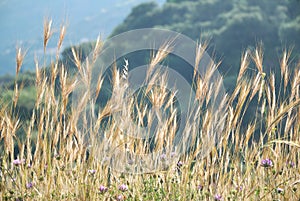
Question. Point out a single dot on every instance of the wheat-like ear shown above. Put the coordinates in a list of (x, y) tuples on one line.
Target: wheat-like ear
[(97, 49), (125, 70), (295, 84), (284, 66), (157, 57), (47, 32), (19, 59), (244, 65), (200, 50), (257, 57), (62, 34), (76, 58), (201, 89)]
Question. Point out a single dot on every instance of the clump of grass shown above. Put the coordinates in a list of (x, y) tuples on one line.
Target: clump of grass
[(55, 163)]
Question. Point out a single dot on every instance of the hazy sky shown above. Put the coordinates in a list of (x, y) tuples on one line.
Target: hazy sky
[(22, 24)]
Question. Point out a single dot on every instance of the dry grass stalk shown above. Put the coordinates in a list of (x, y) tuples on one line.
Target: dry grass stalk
[(157, 57), (244, 65), (200, 50), (62, 34), (19, 59), (97, 49), (284, 69), (47, 32), (76, 59), (257, 57)]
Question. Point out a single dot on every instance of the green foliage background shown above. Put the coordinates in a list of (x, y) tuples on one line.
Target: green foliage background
[(232, 26)]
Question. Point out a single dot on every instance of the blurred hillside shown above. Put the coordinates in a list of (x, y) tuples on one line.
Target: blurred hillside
[(230, 26)]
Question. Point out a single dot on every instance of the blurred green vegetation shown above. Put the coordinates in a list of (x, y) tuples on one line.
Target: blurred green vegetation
[(231, 26), (27, 95)]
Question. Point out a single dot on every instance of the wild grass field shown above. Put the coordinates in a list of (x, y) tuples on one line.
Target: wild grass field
[(259, 161)]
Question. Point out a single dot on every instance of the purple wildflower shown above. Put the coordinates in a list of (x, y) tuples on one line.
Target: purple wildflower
[(266, 163), (291, 164), (179, 164), (163, 157), (120, 197), (29, 185), (18, 162), (123, 187), (103, 189), (239, 188), (218, 197)]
